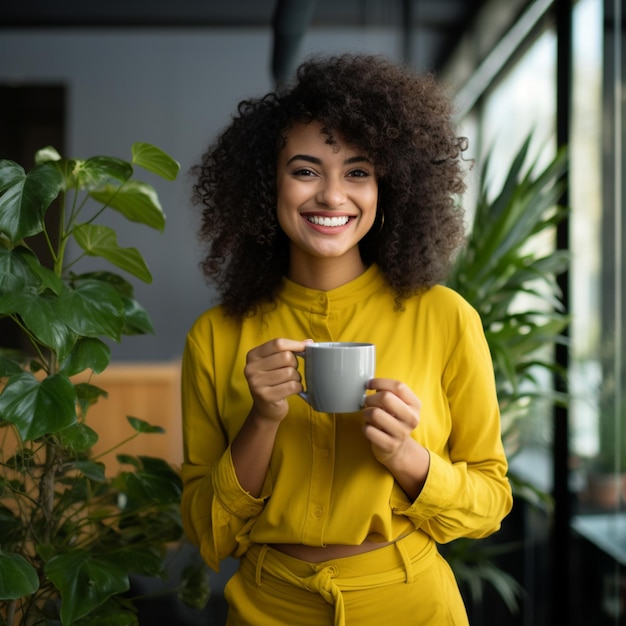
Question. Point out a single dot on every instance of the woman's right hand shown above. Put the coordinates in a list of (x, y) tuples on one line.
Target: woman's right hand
[(272, 374)]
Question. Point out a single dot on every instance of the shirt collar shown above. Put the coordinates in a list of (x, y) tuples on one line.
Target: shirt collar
[(296, 295)]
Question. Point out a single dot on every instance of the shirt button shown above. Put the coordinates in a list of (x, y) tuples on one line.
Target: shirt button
[(321, 299), (324, 453), (318, 512)]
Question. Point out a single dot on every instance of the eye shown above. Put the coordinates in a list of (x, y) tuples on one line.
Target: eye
[(303, 172), (359, 173)]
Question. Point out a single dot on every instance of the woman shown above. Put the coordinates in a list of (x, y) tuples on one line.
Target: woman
[(329, 213)]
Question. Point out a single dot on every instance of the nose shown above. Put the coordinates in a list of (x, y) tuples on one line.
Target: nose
[(331, 193)]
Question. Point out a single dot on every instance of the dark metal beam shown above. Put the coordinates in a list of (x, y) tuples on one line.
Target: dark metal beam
[(290, 21), (560, 599)]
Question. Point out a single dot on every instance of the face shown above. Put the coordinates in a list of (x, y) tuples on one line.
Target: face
[(327, 196)]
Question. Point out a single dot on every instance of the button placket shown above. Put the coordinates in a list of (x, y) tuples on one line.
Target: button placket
[(322, 442)]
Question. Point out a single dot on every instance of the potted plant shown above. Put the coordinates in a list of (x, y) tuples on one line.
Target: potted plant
[(510, 278), (70, 534)]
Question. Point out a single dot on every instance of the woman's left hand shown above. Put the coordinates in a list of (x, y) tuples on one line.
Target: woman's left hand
[(390, 415)]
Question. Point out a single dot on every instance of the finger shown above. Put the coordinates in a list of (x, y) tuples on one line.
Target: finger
[(274, 377), (271, 362), (274, 370), (388, 411), (389, 423), (269, 390), (378, 438), (387, 388), (395, 387), (277, 346), (392, 403), (277, 393)]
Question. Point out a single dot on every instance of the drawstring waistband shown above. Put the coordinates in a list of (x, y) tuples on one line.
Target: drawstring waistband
[(396, 563), (321, 582)]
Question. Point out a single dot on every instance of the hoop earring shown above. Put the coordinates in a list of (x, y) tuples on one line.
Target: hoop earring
[(382, 222)]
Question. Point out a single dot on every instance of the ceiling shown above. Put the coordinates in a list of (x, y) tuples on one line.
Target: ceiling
[(430, 28)]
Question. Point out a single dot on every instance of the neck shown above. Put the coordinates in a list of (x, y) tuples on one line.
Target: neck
[(325, 274)]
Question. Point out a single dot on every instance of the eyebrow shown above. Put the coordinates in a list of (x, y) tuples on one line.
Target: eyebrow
[(316, 161)]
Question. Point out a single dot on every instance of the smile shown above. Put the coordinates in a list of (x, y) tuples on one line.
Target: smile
[(328, 221)]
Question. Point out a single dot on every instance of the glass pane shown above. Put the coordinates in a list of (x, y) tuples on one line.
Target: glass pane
[(598, 379), (586, 225), (534, 73), (523, 101)]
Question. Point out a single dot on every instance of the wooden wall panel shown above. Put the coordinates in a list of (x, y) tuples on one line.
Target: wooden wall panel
[(149, 391)]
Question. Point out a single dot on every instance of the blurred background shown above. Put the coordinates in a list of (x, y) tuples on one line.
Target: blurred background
[(93, 78)]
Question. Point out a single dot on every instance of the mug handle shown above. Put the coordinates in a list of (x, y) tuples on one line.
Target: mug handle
[(303, 394)]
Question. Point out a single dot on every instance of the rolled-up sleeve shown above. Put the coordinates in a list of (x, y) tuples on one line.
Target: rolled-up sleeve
[(467, 492), (216, 510)]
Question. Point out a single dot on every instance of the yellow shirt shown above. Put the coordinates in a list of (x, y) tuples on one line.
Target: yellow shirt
[(324, 485)]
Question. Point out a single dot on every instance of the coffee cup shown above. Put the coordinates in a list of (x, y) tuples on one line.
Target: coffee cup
[(336, 375)]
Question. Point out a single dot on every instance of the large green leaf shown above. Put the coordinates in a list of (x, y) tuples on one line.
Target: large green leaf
[(18, 578), (10, 174), (87, 353), (142, 561), (135, 200), (25, 198), (88, 395), (78, 437), (19, 268), (136, 318), (47, 278), (195, 587), (14, 273), (92, 309), (122, 286), (155, 482), (155, 160), (9, 364), (102, 241), (85, 582), (141, 426), (37, 408), (40, 317), (142, 487), (100, 170), (91, 469)]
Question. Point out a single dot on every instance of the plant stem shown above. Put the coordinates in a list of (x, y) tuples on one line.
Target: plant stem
[(11, 612), (53, 252), (115, 447), (31, 338), (46, 490)]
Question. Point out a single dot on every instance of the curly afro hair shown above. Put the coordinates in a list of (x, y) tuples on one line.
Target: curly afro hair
[(400, 119)]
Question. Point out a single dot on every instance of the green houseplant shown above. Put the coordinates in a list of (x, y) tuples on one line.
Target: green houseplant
[(509, 274), (70, 535)]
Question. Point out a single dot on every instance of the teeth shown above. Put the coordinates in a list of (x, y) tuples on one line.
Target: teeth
[(329, 221)]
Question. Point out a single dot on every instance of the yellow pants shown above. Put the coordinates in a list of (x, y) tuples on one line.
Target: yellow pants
[(394, 585)]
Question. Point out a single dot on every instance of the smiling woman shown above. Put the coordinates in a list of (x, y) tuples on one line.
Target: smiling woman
[(335, 224), (407, 133), (327, 202)]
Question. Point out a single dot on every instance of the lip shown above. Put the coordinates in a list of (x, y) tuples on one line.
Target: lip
[(327, 230)]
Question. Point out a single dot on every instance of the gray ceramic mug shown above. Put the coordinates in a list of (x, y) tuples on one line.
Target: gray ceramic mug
[(336, 375)]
